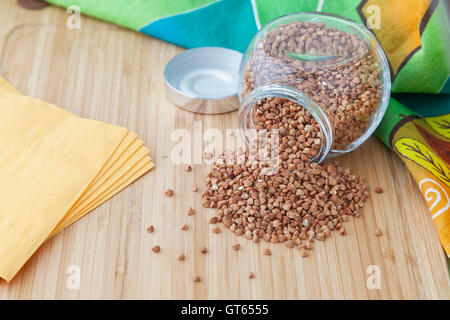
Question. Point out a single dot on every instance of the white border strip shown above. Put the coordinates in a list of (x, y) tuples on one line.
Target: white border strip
[(255, 14), (320, 5)]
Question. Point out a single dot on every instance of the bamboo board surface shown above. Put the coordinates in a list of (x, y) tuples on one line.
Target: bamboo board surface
[(114, 75)]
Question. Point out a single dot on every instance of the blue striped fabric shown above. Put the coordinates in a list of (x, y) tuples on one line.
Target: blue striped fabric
[(206, 26)]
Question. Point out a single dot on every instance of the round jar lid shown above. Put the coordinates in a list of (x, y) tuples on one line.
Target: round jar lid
[(204, 80)]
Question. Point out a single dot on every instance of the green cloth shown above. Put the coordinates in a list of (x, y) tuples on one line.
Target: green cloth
[(413, 33)]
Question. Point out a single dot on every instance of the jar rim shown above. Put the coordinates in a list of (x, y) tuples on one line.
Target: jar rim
[(248, 105)]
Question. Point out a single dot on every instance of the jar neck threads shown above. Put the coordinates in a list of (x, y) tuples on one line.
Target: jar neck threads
[(249, 103)]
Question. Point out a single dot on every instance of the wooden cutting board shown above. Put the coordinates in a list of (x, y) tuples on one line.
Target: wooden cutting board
[(114, 75)]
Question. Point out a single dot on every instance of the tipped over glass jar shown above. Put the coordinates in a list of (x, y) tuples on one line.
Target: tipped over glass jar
[(323, 81)]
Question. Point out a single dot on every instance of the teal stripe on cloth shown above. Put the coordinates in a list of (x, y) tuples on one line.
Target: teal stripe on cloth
[(226, 23), (426, 105), (446, 87)]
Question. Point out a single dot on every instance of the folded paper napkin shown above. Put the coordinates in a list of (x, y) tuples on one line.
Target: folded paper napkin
[(55, 167)]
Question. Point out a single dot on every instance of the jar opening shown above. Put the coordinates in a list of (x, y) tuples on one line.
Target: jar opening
[(248, 107)]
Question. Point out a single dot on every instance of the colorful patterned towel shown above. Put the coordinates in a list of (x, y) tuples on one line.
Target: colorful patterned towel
[(414, 34)]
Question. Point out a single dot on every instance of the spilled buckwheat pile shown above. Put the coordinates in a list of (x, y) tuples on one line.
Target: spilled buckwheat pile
[(303, 201)]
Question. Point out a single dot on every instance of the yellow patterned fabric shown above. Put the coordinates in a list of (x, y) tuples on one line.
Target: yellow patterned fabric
[(424, 145)]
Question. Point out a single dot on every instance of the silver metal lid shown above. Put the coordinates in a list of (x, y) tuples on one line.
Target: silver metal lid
[(204, 80)]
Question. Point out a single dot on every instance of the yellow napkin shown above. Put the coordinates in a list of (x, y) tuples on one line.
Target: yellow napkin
[(55, 167)]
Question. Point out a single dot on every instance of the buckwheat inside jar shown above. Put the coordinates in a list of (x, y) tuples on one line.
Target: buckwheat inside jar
[(332, 67)]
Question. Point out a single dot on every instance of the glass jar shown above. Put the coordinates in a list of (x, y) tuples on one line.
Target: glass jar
[(329, 65)]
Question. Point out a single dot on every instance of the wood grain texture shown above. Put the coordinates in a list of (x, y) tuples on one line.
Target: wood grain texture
[(114, 75)]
